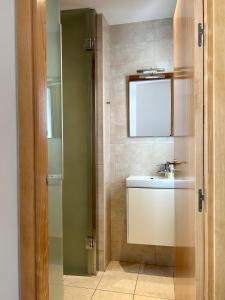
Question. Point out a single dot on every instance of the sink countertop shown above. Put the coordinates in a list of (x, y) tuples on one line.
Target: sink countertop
[(157, 182)]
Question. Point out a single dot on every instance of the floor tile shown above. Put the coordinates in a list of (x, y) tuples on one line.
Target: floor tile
[(74, 293), (118, 282), (83, 281), (120, 277), (138, 297), (105, 295), (155, 286), (116, 266)]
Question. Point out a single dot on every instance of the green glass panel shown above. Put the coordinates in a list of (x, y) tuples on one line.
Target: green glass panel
[(78, 27), (55, 153)]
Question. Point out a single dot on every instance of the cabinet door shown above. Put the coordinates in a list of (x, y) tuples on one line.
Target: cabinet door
[(151, 216)]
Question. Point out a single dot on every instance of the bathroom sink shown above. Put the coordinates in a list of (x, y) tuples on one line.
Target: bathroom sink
[(154, 182)]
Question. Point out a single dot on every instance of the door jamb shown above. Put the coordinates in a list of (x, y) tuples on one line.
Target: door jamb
[(31, 93), (214, 148), (208, 149)]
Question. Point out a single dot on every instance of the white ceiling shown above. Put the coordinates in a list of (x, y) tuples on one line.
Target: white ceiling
[(126, 11)]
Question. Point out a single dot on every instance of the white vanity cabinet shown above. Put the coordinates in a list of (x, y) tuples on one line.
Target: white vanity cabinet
[(151, 216)]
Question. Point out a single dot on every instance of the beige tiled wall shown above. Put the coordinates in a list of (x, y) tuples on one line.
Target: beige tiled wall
[(121, 50), (103, 145), (135, 46), (107, 128)]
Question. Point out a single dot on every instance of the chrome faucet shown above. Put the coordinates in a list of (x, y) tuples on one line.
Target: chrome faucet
[(168, 169), (167, 166)]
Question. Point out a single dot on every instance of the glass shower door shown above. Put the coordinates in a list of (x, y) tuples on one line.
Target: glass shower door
[(78, 62), (55, 150)]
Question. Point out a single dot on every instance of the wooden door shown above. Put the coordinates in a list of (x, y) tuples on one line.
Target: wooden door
[(188, 129), (215, 148)]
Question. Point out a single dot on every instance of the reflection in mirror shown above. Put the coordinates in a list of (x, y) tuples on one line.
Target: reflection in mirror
[(54, 110), (49, 114), (150, 108)]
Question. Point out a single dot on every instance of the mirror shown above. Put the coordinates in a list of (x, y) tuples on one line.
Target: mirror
[(54, 110), (150, 106)]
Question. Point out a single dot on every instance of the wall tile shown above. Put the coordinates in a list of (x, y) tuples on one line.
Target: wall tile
[(133, 253), (100, 211), (103, 150), (134, 46), (100, 257), (100, 153), (165, 256)]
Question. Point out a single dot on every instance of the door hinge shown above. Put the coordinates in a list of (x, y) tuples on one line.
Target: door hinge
[(200, 35), (89, 44), (90, 242), (201, 198)]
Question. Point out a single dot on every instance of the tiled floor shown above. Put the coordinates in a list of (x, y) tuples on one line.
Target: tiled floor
[(122, 281)]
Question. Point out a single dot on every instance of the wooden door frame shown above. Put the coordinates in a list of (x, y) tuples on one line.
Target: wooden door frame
[(31, 84), (31, 93), (214, 148), (208, 151)]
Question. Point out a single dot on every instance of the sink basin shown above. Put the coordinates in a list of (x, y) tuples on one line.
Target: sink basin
[(153, 182)]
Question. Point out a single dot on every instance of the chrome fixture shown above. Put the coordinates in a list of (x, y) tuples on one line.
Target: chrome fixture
[(89, 44), (200, 34), (151, 71), (168, 169), (151, 76)]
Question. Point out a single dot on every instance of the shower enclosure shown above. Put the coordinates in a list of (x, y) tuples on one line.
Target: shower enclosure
[(55, 150), (78, 65), (71, 144)]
